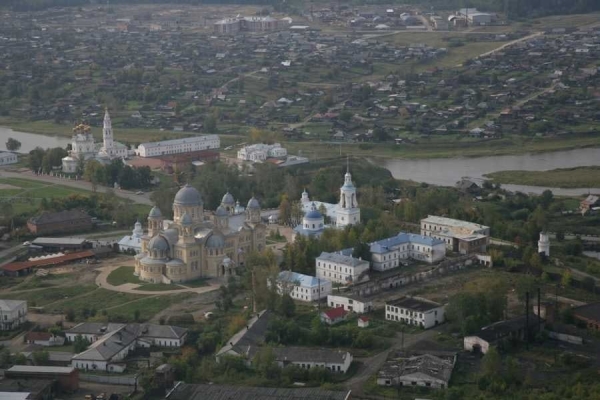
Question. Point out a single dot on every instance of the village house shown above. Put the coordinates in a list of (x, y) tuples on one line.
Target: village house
[(415, 311), (14, 314), (251, 336), (334, 315), (45, 339), (589, 315)]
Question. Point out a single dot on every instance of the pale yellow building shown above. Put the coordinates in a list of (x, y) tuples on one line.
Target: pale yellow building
[(196, 246)]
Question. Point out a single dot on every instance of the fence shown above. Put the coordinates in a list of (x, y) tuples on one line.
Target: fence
[(109, 379)]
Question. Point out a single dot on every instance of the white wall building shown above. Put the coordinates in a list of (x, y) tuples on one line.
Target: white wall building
[(342, 269), (460, 236), (133, 241), (544, 244), (307, 358), (415, 311), (111, 343), (302, 287), (7, 158), (398, 250), (260, 152), (350, 303), (177, 146), (13, 313)]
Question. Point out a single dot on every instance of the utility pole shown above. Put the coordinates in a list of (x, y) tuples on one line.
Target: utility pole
[(253, 294), (527, 320)]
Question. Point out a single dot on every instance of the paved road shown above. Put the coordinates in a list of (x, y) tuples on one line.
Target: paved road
[(140, 199), (101, 281), (373, 364)]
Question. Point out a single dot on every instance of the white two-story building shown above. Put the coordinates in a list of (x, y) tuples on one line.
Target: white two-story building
[(302, 287), (342, 269), (13, 313), (415, 311), (395, 251)]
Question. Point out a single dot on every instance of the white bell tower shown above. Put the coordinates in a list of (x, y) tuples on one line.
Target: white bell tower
[(348, 212), (544, 244), (107, 135)]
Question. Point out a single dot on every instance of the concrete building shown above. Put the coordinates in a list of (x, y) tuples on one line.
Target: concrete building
[(400, 249), (307, 358), (544, 244), (350, 303), (231, 26), (260, 152), (415, 311), (177, 146), (7, 158), (339, 268), (460, 236), (476, 17), (60, 222), (302, 287), (512, 329), (191, 247), (425, 370), (13, 313)]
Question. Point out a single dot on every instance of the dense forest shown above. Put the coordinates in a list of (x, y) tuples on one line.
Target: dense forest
[(513, 8)]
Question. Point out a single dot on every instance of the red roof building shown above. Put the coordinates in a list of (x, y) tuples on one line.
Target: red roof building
[(25, 267), (334, 315)]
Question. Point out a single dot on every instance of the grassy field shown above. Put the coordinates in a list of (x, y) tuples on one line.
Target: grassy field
[(121, 276), (46, 296), (148, 306), (581, 177)]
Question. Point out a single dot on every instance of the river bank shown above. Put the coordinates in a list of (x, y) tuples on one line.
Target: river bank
[(437, 146), (564, 178)]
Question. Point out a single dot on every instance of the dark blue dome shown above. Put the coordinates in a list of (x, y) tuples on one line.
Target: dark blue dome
[(314, 214)]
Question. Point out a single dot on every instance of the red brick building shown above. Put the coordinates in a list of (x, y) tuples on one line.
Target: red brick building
[(60, 222)]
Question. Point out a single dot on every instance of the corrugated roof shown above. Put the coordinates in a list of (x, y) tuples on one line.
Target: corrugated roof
[(226, 392), (18, 266), (413, 303), (300, 279), (61, 216), (40, 369), (342, 259), (58, 241), (9, 305), (385, 245)]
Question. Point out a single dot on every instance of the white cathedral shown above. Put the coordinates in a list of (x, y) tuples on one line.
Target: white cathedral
[(83, 146), (342, 214)]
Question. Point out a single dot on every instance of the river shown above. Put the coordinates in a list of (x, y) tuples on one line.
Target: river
[(447, 171), (29, 141), (435, 171)]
